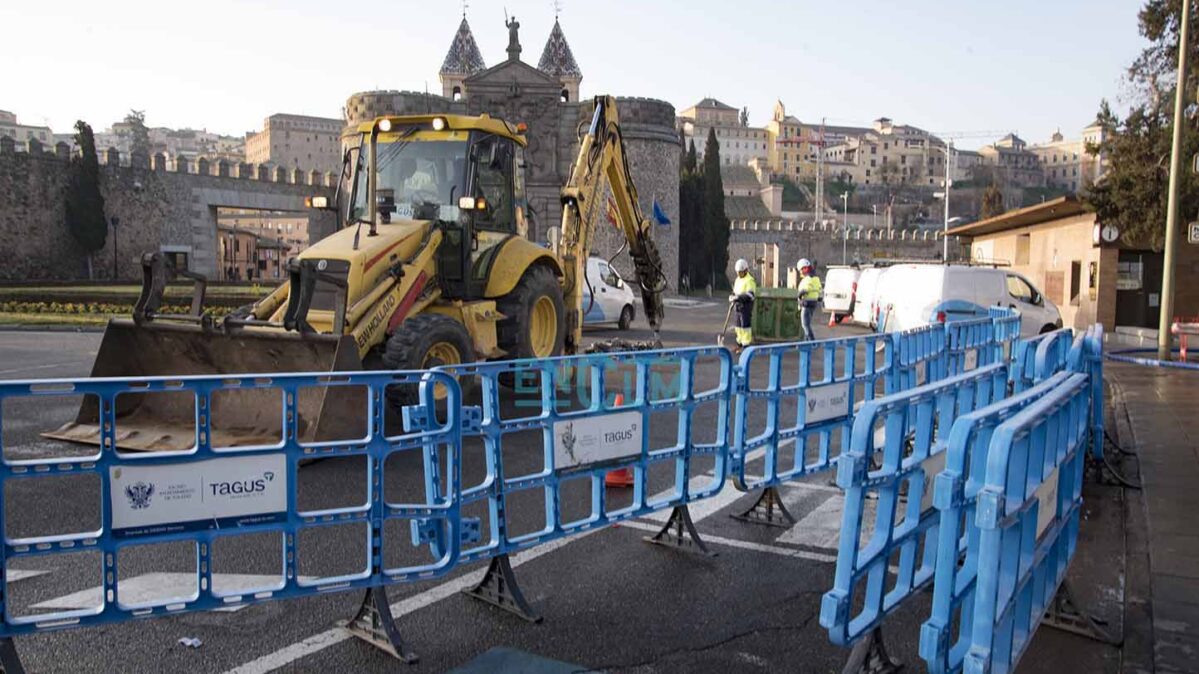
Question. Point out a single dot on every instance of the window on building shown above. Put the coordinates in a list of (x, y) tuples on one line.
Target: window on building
[(872, 162), (1075, 281), (1022, 248)]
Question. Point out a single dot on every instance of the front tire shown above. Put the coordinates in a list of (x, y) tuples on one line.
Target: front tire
[(626, 317), (534, 323), (422, 342)]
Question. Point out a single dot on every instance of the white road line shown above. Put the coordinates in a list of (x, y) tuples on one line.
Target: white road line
[(40, 367), (820, 528), (162, 586), (745, 545), (15, 575)]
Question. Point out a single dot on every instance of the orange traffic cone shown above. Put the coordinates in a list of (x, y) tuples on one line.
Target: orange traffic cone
[(621, 477), (832, 320)]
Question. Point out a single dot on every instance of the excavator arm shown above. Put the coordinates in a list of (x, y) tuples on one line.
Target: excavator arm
[(602, 155)]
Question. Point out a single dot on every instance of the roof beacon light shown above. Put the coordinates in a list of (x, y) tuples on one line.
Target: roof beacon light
[(439, 123), (385, 125)]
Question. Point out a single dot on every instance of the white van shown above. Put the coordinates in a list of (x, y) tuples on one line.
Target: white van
[(866, 297), (614, 300), (840, 289), (911, 295)]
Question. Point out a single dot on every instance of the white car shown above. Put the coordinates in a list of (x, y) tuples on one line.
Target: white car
[(911, 295), (840, 290), (866, 297), (613, 298)]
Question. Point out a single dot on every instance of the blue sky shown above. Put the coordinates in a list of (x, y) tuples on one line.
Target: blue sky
[(965, 66)]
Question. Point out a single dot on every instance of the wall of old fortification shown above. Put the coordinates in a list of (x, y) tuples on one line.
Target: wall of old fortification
[(161, 203)]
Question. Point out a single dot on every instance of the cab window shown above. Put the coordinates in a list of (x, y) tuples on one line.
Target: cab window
[(492, 159), (1020, 289)]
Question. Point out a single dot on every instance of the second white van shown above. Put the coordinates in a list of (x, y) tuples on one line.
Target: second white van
[(911, 295)]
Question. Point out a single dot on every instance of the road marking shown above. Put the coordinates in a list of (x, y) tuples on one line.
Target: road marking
[(163, 587), (15, 575), (820, 528), (745, 545), (41, 367), (318, 642)]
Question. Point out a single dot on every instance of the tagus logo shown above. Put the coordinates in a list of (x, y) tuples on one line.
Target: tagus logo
[(620, 436), (253, 485)]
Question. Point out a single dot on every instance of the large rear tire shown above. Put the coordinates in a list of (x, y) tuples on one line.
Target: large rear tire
[(535, 316), (422, 342)]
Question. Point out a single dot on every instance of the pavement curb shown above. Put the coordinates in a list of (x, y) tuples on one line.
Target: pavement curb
[(51, 328)]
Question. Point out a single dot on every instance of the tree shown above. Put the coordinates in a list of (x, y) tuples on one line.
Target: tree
[(139, 141), (1132, 194), (715, 224), (693, 262), (992, 203), (84, 205)]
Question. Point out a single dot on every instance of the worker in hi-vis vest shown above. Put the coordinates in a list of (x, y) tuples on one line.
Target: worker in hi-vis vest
[(742, 299), (810, 290)]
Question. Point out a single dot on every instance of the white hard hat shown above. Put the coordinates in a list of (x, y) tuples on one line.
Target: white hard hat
[(741, 265), (803, 262)]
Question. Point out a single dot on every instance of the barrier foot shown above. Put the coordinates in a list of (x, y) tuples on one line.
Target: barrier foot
[(498, 588), (672, 533), (869, 656), (1064, 614), (768, 510), (375, 625), (10, 662)]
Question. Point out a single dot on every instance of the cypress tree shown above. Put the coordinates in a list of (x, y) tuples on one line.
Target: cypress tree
[(715, 224), (84, 204)]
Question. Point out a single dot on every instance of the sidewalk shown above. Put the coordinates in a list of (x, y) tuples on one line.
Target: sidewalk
[(1162, 408)]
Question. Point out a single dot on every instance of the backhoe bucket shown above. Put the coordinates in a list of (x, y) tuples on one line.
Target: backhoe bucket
[(239, 417)]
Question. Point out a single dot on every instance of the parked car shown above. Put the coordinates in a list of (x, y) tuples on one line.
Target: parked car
[(911, 295), (866, 297), (840, 290), (614, 300)]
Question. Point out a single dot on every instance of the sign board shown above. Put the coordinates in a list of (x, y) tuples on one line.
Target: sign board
[(932, 467), (1193, 232), (822, 403), (1046, 502), (590, 440), (217, 493), (971, 359)]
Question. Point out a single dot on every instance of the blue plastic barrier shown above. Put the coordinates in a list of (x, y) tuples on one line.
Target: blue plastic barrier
[(969, 344), (1027, 515), (1025, 360), (955, 495), (919, 357), (148, 498), (1007, 332), (570, 402), (810, 393), (916, 425)]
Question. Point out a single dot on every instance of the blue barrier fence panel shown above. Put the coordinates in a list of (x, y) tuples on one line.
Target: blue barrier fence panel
[(968, 344), (945, 636), (1053, 352), (670, 429), (225, 482), (1007, 332), (803, 408), (883, 559), (1025, 360), (919, 357), (1028, 515)]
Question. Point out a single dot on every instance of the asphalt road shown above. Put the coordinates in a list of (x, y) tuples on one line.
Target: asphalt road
[(609, 601)]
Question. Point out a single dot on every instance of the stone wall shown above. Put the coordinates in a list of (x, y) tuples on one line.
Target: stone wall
[(161, 204), (822, 244)]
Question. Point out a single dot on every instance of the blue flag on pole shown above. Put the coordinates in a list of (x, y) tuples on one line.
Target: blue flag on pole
[(660, 215)]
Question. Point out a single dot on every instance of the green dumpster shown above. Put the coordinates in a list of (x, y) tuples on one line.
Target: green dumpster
[(776, 315)]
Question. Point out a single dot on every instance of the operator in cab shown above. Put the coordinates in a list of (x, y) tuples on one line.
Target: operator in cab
[(745, 288), (810, 290)]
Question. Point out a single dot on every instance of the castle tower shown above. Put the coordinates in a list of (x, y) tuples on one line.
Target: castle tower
[(557, 61), (462, 61)]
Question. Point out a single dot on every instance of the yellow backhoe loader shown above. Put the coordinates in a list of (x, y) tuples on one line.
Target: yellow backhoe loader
[(430, 265)]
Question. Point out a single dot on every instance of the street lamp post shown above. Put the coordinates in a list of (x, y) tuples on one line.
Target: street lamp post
[(948, 150), (1167, 298), (873, 216), (844, 227)]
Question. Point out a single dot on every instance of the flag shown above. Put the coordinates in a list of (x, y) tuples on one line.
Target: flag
[(610, 211), (660, 215)]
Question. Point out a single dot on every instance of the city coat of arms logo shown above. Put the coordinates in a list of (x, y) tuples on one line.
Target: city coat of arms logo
[(139, 494), (568, 439)]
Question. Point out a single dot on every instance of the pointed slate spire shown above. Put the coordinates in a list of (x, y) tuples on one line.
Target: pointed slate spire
[(557, 59), (464, 57)]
